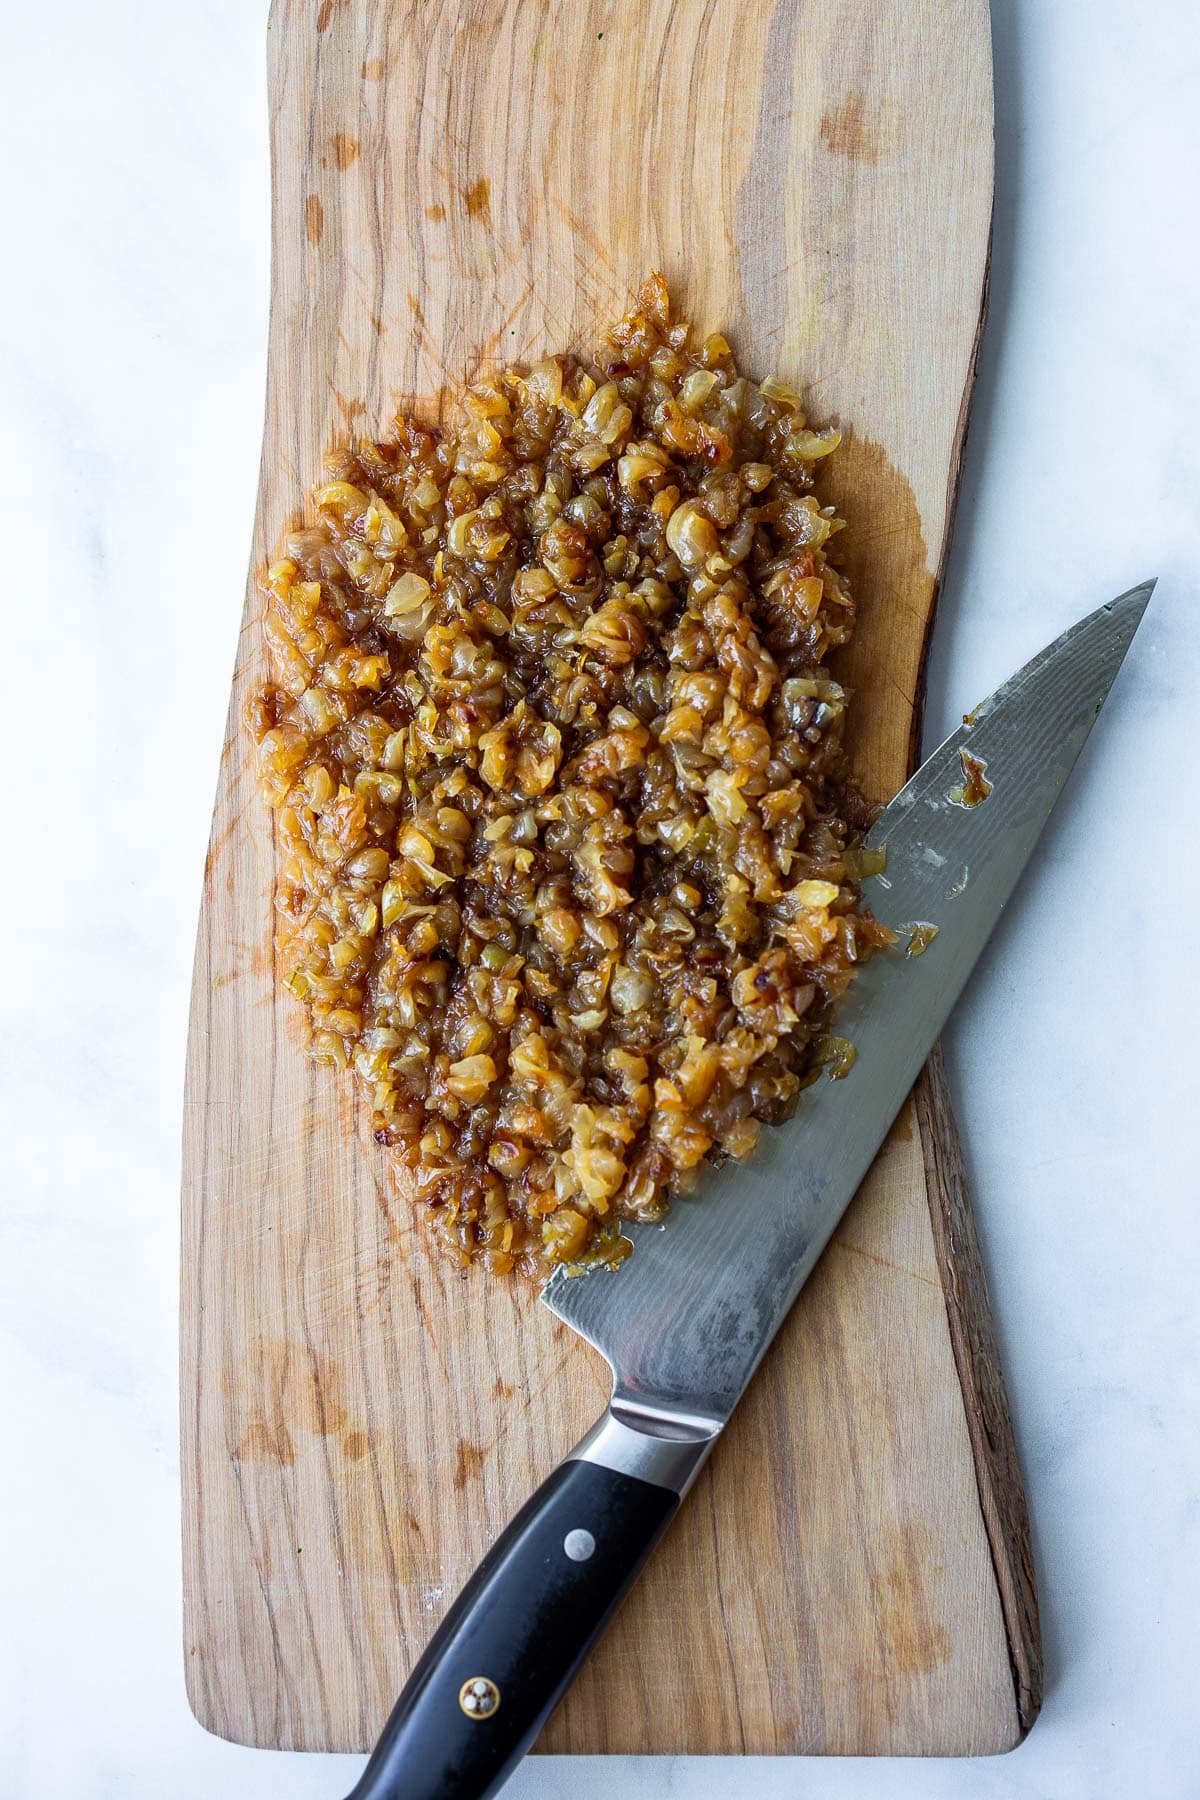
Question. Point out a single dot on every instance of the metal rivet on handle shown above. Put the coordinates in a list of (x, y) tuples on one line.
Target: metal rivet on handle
[(479, 1697), (579, 1544)]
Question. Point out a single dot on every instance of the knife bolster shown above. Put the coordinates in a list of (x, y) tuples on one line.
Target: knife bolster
[(665, 1449)]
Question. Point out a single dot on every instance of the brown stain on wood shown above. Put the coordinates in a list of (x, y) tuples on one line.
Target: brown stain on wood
[(297, 1029), (846, 132), (594, 243), (478, 199), (468, 1461), (882, 1262), (267, 1440), (310, 1388), (347, 1111), (425, 1313), (314, 219), (351, 410), (391, 1223), (257, 960), (345, 150), (325, 16), (355, 1446), (220, 840), (436, 213), (374, 70)]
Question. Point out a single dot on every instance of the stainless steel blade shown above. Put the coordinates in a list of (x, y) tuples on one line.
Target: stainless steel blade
[(686, 1319)]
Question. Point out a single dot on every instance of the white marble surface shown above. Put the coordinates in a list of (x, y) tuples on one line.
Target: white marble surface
[(132, 328)]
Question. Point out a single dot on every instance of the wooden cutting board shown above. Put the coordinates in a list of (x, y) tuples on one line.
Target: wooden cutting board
[(456, 182)]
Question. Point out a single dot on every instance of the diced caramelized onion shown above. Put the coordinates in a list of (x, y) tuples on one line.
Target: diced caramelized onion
[(975, 786), (810, 446), (836, 1055), (920, 935), (408, 595), (691, 534), (864, 861), (565, 878)]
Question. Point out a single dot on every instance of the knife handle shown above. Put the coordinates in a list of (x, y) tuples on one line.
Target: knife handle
[(511, 1644)]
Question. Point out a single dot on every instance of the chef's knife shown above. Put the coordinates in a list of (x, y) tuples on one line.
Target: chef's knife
[(685, 1320)]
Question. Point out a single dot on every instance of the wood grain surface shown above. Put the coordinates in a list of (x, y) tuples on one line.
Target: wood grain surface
[(457, 183)]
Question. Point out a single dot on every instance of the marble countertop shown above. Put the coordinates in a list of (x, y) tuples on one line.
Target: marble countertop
[(131, 359)]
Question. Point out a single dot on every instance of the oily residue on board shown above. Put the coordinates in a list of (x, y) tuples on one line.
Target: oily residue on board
[(345, 150), (883, 551), (267, 1440), (290, 1390), (845, 131), (314, 219)]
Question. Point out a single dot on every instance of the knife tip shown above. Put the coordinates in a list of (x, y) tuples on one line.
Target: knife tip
[(1137, 599)]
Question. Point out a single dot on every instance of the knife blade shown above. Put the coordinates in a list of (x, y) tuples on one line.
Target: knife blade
[(685, 1320)]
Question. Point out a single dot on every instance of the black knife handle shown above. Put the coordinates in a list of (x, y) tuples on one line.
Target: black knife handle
[(513, 1640)]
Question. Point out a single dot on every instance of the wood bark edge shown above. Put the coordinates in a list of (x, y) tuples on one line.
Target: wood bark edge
[(960, 1264), (977, 1359)]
